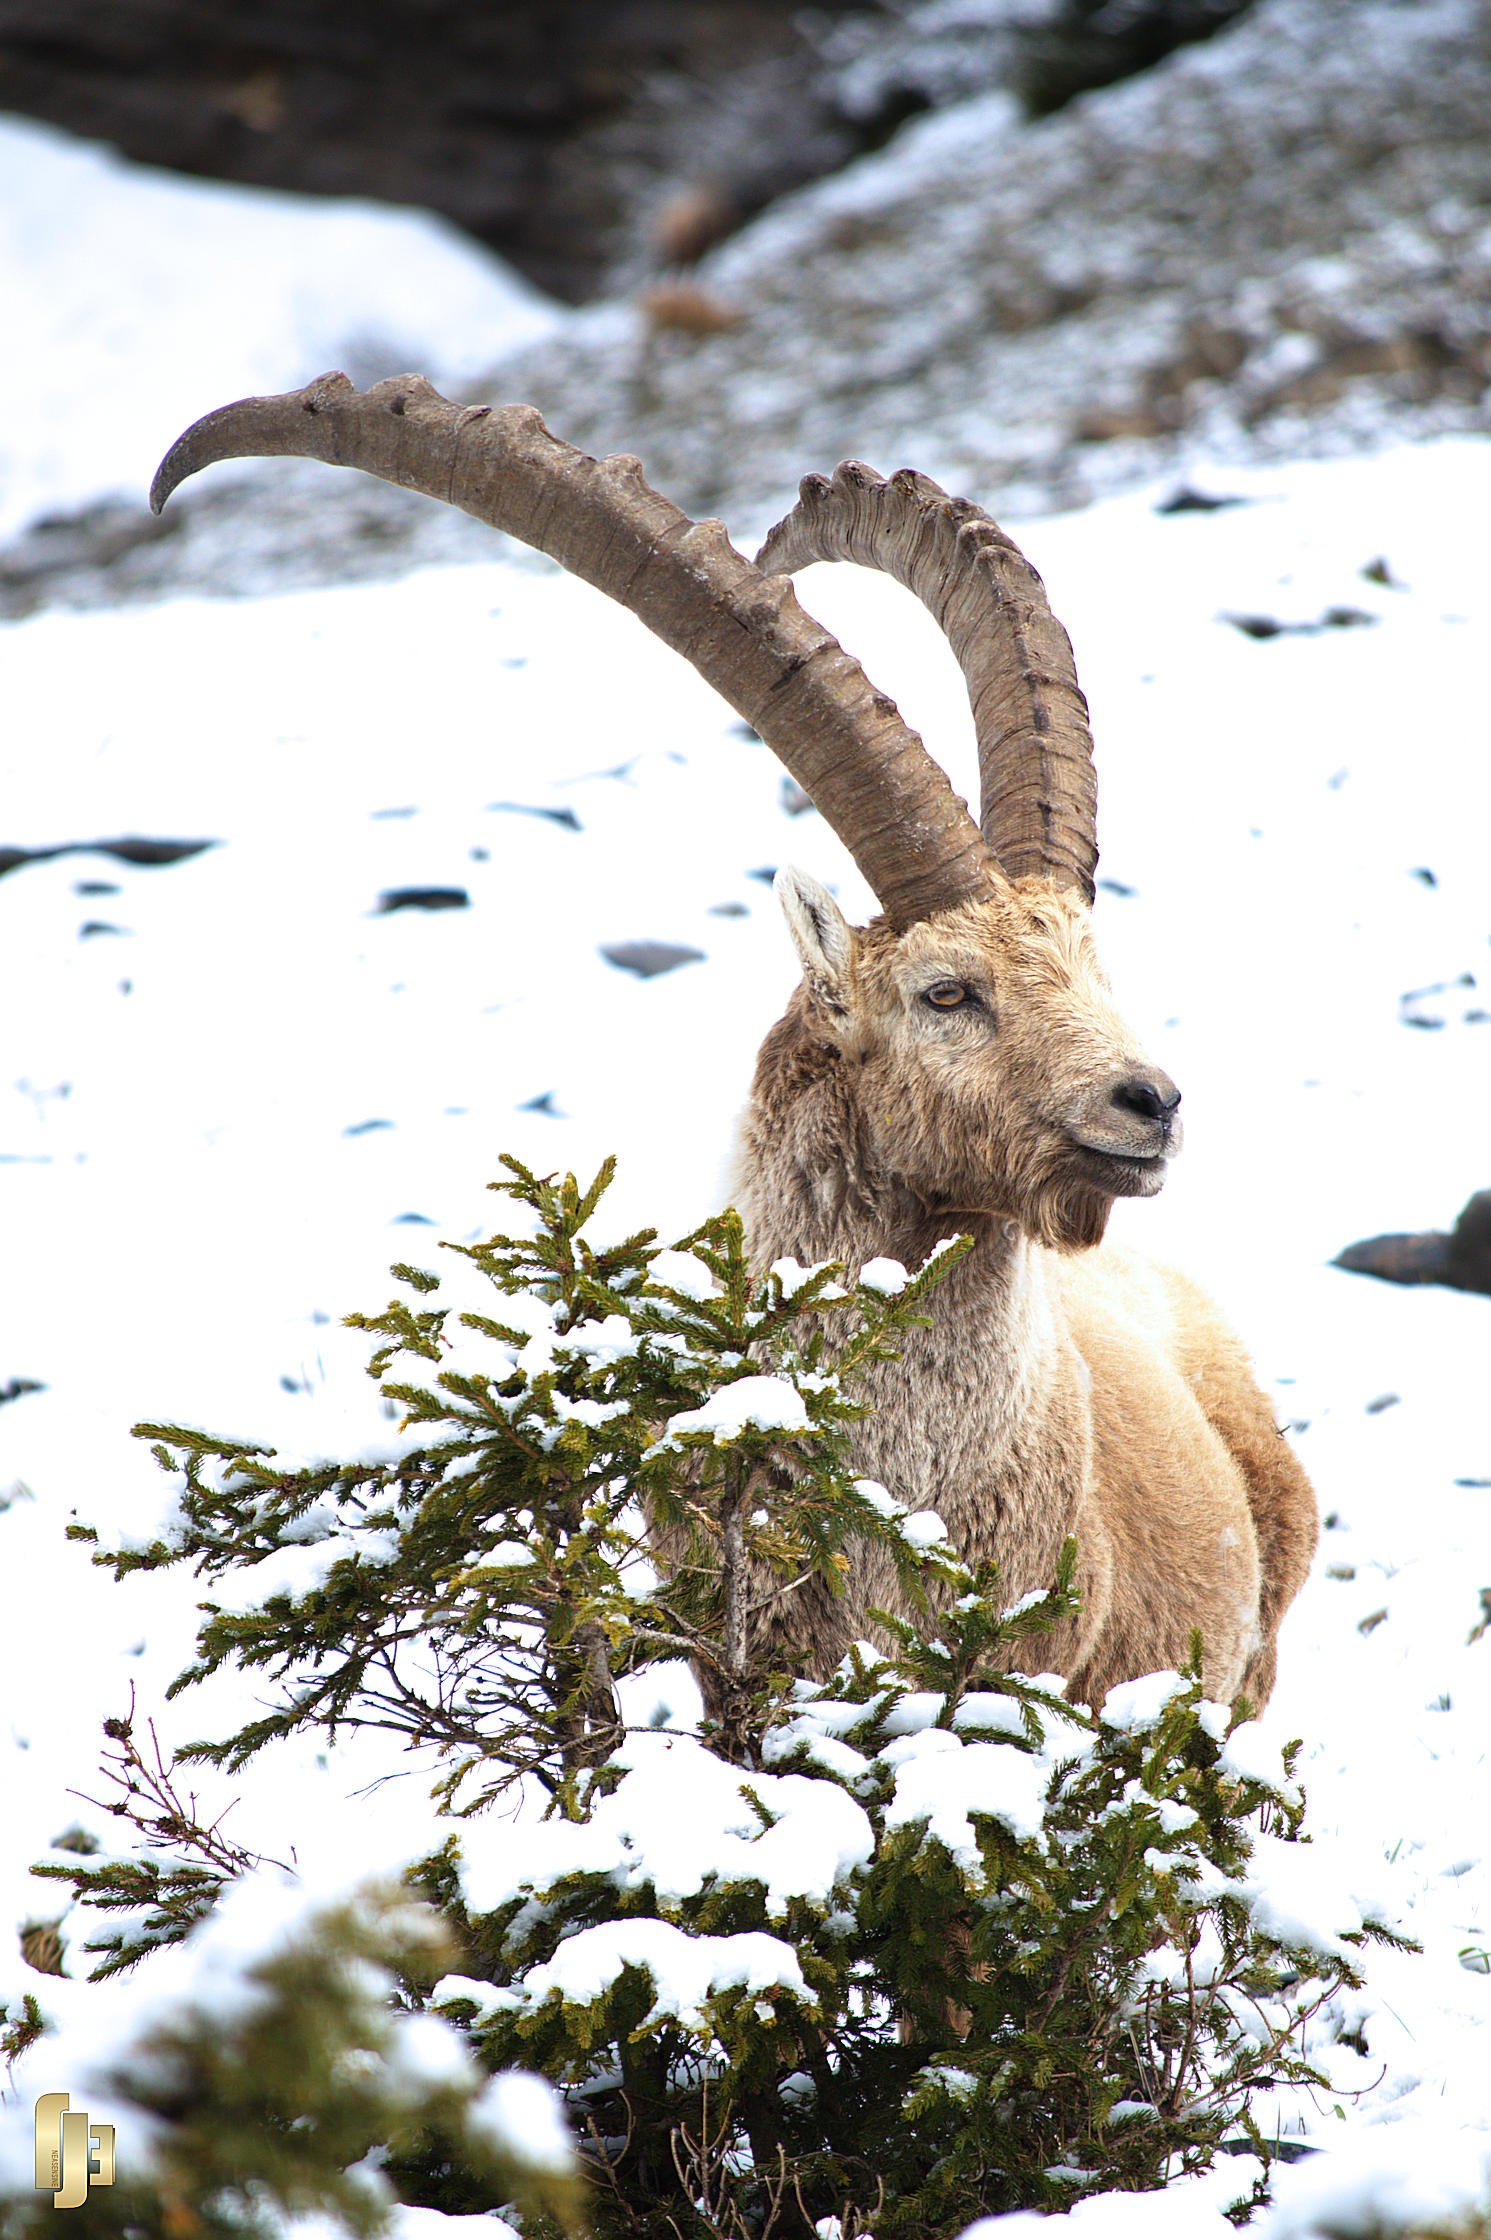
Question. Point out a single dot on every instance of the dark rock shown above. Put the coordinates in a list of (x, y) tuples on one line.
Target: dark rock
[(563, 133), (1397, 1258), (648, 958), (127, 851), (565, 817), (423, 898), (1410, 1004), (1187, 500), (1090, 269), (1268, 626), (1461, 1260), (1256, 625), (16, 1388), (582, 139), (1084, 44)]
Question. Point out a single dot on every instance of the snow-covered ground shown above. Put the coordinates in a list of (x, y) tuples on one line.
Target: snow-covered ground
[(128, 293), (234, 1089)]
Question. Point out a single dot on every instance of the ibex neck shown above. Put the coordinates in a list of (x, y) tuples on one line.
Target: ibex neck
[(983, 1415)]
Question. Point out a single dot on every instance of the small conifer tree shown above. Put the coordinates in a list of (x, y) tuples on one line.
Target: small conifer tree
[(910, 1945)]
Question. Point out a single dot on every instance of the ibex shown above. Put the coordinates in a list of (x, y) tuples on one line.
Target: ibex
[(955, 1066)]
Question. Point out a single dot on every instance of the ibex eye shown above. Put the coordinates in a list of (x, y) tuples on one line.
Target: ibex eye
[(947, 995)]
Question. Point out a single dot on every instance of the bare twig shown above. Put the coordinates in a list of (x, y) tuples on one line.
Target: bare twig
[(152, 1803)]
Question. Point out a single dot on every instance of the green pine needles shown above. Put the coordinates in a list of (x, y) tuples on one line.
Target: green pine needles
[(909, 1945), (481, 1593)]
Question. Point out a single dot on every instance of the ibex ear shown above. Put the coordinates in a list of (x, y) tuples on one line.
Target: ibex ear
[(824, 937)]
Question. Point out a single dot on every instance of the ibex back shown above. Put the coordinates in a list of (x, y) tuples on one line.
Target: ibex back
[(957, 1065)]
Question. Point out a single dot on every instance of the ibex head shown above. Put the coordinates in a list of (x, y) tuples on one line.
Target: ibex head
[(996, 1075), (991, 1073)]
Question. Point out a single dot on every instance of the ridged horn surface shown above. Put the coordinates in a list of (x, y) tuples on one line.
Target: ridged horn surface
[(1039, 795), (843, 742)]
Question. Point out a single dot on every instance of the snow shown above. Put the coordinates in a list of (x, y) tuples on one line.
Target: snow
[(923, 1528), (224, 1114), (439, 2224), (1374, 2187), (524, 2119), (1188, 2209), (884, 1275), (687, 1969), (1139, 1704), (1305, 1894), (681, 1272), (637, 1835), (132, 296), (750, 1403), (1252, 1753), (941, 1781), (1370, 2187), (487, 1998), (123, 2028)]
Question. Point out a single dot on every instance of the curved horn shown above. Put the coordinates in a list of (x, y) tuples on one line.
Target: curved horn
[(745, 633), (1039, 805)]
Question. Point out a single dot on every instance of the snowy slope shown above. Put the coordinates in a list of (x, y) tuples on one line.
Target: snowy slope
[(129, 293), (235, 1089)]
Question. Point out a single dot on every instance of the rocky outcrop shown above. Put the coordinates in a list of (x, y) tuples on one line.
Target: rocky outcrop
[(1459, 1258), (1276, 241), (551, 130), (585, 140), (1282, 237)]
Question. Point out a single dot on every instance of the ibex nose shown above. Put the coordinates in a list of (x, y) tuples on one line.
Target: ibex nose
[(1152, 1095)]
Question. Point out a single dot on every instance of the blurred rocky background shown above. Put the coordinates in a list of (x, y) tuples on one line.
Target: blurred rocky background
[(575, 137), (1039, 248)]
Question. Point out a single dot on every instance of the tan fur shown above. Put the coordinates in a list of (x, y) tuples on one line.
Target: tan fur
[(1063, 1385)]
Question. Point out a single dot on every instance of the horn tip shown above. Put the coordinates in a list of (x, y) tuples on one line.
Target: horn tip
[(202, 444)]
